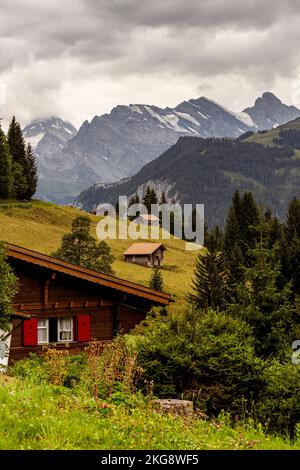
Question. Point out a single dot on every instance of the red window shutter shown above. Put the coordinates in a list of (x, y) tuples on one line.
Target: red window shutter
[(30, 335), (83, 328)]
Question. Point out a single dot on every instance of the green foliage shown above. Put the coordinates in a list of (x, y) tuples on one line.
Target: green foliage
[(210, 286), (163, 198), (8, 289), (279, 406), (20, 181), (31, 173), (291, 246), (42, 416), (18, 151), (213, 240), (134, 200), (241, 235), (205, 356), (264, 305), (79, 247), (18, 168), (156, 281), (6, 175), (209, 171), (150, 197)]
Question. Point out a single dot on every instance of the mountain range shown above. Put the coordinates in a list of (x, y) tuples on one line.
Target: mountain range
[(117, 145), (207, 171)]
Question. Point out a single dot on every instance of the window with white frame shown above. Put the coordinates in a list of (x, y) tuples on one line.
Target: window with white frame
[(65, 329), (43, 331)]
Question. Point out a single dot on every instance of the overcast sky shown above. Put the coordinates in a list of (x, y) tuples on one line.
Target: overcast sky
[(78, 58)]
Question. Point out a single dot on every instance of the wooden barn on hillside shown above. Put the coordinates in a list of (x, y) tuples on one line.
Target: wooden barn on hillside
[(70, 305), (147, 254)]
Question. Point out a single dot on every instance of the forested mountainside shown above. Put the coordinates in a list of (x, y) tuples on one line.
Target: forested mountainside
[(207, 171), (118, 144)]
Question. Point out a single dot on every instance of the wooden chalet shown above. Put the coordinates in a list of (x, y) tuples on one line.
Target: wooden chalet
[(147, 254), (71, 305)]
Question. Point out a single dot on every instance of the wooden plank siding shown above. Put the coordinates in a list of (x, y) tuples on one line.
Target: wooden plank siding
[(46, 292)]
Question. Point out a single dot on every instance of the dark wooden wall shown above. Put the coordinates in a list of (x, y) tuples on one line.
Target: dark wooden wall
[(71, 297)]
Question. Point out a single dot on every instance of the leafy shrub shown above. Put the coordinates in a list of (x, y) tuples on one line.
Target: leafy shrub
[(205, 356), (32, 369), (279, 407)]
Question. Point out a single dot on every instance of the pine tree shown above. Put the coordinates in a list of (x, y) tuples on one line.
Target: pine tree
[(267, 307), (290, 246), (213, 240), (156, 280), (18, 151), (210, 284), (233, 254), (6, 175), (241, 234), (275, 232), (153, 197), (8, 289), (79, 247), (147, 199), (163, 198), (250, 219), (31, 173), (134, 200), (231, 235), (150, 197), (292, 225)]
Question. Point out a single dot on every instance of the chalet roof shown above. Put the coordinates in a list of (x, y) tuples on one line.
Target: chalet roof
[(56, 265), (143, 248), (21, 315)]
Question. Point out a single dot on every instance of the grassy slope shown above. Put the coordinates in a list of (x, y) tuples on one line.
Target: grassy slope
[(267, 137), (52, 417), (41, 225)]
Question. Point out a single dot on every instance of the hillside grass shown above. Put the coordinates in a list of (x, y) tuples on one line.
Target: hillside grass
[(267, 138), (40, 226), (52, 417)]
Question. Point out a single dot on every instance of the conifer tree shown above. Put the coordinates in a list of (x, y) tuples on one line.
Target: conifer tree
[(231, 235), (31, 173), (147, 199), (6, 174), (241, 234), (213, 240), (163, 198), (153, 197), (290, 246), (134, 200), (210, 283), (156, 280), (150, 197), (267, 307), (80, 248), (250, 219), (232, 247), (18, 151), (292, 225)]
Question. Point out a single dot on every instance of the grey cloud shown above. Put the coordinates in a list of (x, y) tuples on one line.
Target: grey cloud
[(204, 39)]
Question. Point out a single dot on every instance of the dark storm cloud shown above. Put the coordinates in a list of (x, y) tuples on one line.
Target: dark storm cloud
[(49, 44), (108, 30)]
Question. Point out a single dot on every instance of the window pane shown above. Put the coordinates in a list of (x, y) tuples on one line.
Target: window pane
[(42, 330), (65, 329), (42, 335)]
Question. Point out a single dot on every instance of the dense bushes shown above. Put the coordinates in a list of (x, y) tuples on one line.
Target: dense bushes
[(210, 358), (205, 356), (279, 407)]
